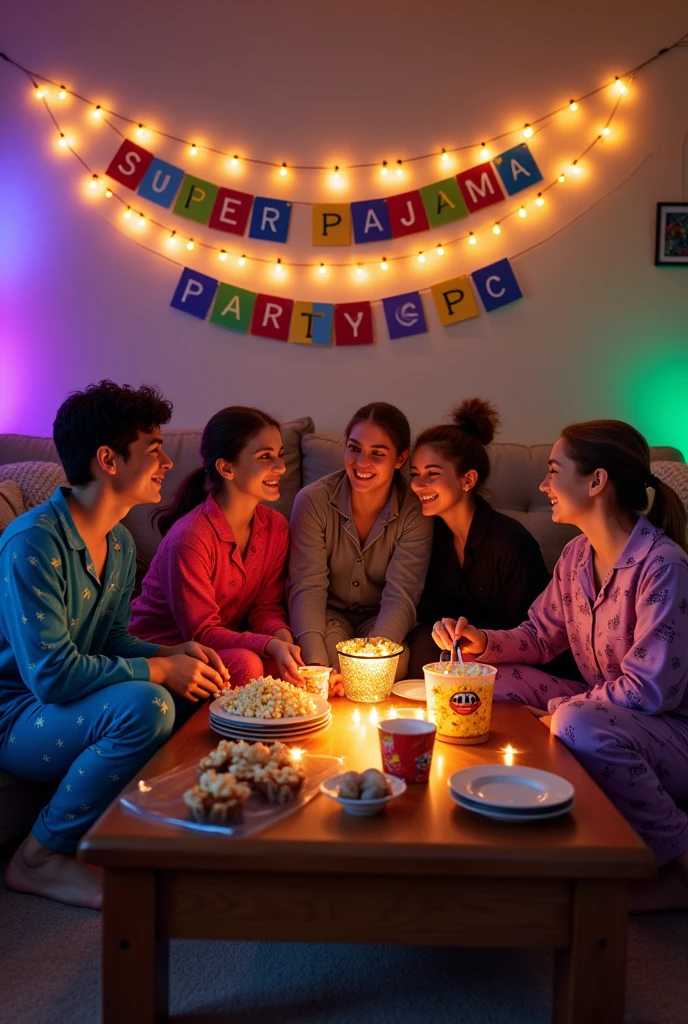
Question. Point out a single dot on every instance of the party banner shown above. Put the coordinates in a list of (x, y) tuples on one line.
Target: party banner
[(335, 223), (313, 323)]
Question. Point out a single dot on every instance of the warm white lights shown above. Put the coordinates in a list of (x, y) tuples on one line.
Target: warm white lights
[(279, 269), (619, 86), (234, 161), (97, 113), (127, 213), (190, 244), (539, 201), (40, 93), (522, 212), (440, 250), (141, 221), (222, 255), (575, 169), (384, 167), (241, 261), (322, 269), (606, 131), (359, 270), (484, 152), (193, 150), (108, 193), (471, 238), (172, 240), (421, 257), (62, 94), (283, 171), (93, 183), (62, 141), (140, 130), (496, 230), (527, 132), (562, 178), (445, 156), (573, 105), (384, 265), (400, 169)]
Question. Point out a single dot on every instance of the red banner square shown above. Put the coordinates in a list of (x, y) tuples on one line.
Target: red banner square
[(407, 214), (129, 164), (353, 323), (272, 317), (231, 211), (480, 187)]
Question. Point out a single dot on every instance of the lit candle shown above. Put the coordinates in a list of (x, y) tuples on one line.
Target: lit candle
[(392, 712), (356, 717), (420, 713), (509, 754), (374, 716), (296, 754)]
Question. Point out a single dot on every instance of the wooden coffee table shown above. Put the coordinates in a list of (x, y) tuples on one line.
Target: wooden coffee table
[(425, 872)]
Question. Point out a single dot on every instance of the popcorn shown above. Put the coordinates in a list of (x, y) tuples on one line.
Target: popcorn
[(370, 647), (266, 697), (457, 668)]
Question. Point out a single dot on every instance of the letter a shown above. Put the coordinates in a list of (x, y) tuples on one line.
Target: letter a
[(442, 201), (370, 221), (517, 168), (232, 306)]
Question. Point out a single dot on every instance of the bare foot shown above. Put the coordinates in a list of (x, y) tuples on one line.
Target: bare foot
[(668, 891), (35, 869)]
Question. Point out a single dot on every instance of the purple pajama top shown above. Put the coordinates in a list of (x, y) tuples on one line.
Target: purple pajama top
[(630, 640)]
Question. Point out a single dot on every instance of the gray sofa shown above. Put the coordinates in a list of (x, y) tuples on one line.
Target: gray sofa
[(513, 488)]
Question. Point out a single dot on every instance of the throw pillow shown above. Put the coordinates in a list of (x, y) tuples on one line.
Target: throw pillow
[(11, 503), (37, 480)]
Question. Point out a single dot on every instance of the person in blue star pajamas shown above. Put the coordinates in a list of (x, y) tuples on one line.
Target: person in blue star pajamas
[(82, 702)]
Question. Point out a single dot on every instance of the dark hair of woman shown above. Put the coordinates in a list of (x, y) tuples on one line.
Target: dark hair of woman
[(623, 452), (225, 436), (389, 418), (464, 441)]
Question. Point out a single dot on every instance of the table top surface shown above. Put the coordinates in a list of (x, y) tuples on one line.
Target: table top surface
[(422, 832)]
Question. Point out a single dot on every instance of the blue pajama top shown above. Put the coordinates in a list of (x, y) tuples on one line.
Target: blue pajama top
[(63, 632)]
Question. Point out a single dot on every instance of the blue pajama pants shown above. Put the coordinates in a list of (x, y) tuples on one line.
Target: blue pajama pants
[(93, 746), (640, 761)]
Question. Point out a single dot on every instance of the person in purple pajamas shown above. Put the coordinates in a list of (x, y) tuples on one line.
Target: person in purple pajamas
[(619, 600)]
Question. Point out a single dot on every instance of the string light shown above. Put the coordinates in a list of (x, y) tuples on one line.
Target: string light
[(108, 193), (279, 268), (62, 94), (139, 130), (283, 171), (620, 87), (496, 230), (421, 257), (222, 256), (93, 183), (40, 93), (190, 244), (384, 265), (575, 169), (62, 141), (400, 169), (539, 201), (471, 238), (172, 240), (440, 250), (242, 260), (562, 178), (523, 212), (484, 152), (336, 174), (445, 156), (193, 149), (127, 213), (322, 269), (527, 132), (606, 131), (141, 221), (97, 113), (384, 167), (573, 105)]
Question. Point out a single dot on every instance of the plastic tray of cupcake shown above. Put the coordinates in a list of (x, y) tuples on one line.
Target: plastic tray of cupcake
[(269, 709), (237, 789)]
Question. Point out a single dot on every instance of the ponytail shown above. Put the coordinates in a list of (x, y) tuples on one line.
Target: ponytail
[(668, 512), (190, 493)]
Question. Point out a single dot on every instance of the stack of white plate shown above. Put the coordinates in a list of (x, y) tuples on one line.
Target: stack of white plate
[(511, 793), (254, 729)]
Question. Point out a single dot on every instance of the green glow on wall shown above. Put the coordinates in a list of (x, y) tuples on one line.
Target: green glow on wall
[(654, 392)]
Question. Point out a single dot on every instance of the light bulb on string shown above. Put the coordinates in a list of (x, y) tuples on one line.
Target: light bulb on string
[(93, 183), (322, 269), (279, 269), (283, 171), (523, 212), (484, 152), (619, 86), (575, 169), (108, 193), (172, 240), (421, 257), (384, 167), (140, 130), (606, 131), (62, 141), (127, 213), (445, 156), (40, 93), (190, 244), (97, 113), (471, 238), (193, 149), (242, 260), (384, 265), (359, 270), (335, 174), (222, 255), (539, 201), (141, 221), (440, 250), (527, 131), (400, 169), (496, 230), (62, 94), (234, 162), (573, 106), (562, 178)]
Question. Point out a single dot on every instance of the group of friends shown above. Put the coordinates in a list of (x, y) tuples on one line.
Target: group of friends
[(93, 680)]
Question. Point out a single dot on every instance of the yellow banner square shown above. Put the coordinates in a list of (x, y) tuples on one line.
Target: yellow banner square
[(455, 300), (301, 320), (331, 224)]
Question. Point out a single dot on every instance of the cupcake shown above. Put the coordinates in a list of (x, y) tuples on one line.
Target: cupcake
[(279, 785), (218, 799)]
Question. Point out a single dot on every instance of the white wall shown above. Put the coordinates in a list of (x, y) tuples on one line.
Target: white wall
[(600, 330)]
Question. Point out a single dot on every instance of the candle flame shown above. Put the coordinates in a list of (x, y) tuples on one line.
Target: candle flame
[(392, 712), (296, 754), (356, 717), (509, 754), (374, 719)]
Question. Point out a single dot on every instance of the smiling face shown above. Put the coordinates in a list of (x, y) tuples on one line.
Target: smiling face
[(257, 471), (435, 480), (137, 480), (572, 494), (370, 458)]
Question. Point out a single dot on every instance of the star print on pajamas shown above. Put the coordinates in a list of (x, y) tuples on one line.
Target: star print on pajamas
[(40, 722)]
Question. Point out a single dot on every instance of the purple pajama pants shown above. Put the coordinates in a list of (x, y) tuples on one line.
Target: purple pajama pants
[(640, 761)]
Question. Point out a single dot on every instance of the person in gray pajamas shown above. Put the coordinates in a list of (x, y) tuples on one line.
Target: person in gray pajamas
[(360, 545)]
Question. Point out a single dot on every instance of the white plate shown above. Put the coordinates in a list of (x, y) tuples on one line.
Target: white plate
[(500, 814), (276, 723), (361, 808), (322, 707), (412, 689), (235, 733), (503, 787)]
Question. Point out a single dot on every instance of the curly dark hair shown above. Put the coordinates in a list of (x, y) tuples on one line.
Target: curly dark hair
[(104, 414)]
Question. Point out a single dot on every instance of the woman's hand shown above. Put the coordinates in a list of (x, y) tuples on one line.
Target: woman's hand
[(186, 675), (287, 657), (473, 641), (199, 651), (336, 684)]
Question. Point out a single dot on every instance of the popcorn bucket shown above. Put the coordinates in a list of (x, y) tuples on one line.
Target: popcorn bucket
[(368, 666), (459, 700), (316, 679)]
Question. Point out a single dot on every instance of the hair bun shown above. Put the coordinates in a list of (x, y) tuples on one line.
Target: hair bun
[(477, 417)]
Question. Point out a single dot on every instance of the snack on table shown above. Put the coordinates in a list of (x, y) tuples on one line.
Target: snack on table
[(266, 697), (370, 647), (218, 799), (465, 668), (265, 768), (368, 785), (279, 785)]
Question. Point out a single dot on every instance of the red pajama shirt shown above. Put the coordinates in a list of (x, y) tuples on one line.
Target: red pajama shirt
[(200, 588)]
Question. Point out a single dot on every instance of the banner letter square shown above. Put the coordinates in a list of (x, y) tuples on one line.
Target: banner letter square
[(407, 214), (480, 187), (331, 224), (455, 300), (194, 293), (196, 199), (270, 219), (443, 202), (233, 308), (497, 285), (161, 183), (517, 169), (353, 323), (129, 164), (272, 317), (404, 315), (371, 221), (231, 211)]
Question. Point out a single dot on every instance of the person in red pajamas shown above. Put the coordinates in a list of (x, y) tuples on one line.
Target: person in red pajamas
[(219, 574)]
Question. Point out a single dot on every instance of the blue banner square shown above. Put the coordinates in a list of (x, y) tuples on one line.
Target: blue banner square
[(370, 219), (270, 219), (195, 292), (322, 323), (497, 285), (161, 183), (405, 315), (517, 169)]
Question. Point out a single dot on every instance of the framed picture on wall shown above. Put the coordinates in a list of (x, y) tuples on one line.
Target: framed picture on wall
[(672, 235)]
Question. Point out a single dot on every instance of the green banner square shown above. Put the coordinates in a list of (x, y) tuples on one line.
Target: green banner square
[(443, 202), (196, 199), (233, 308)]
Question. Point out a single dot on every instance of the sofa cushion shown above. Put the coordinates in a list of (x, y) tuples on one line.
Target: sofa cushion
[(11, 502), (37, 480), (320, 456), (675, 475)]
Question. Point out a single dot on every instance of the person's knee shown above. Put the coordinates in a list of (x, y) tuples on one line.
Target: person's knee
[(581, 724), (150, 710), (243, 665)]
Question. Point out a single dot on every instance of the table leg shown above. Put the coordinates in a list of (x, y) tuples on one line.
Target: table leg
[(135, 959), (590, 975)]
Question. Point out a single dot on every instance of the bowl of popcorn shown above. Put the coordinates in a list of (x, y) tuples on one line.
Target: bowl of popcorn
[(368, 666), (268, 698), (363, 793)]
